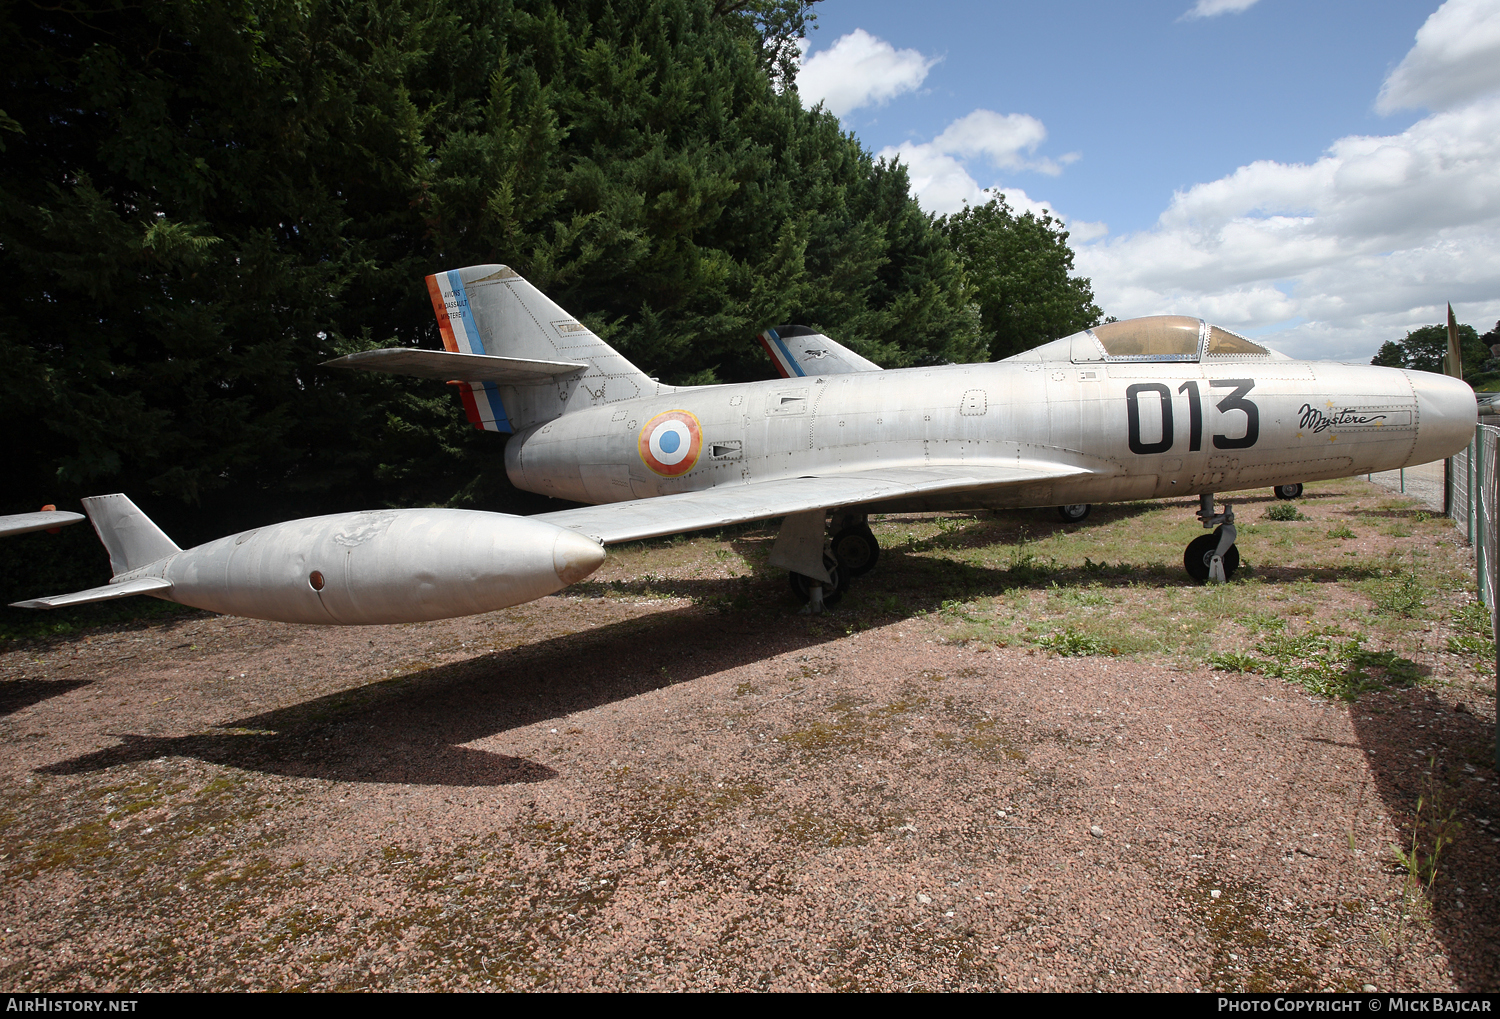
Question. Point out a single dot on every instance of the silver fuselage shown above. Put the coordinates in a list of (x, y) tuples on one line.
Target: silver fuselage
[(1311, 420)]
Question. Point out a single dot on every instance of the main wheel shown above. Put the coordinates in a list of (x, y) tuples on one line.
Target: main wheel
[(856, 550), (1200, 554), (1288, 492), (1074, 513), (802, 586)]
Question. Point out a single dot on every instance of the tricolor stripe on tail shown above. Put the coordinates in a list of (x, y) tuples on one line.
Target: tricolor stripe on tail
[(461, 336)]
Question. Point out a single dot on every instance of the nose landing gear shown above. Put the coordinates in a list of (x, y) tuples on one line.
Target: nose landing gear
[(1213, 558)]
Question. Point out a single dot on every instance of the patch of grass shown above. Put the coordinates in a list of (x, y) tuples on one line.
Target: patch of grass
[(1071, 643), (1473, 637), (1403, 594), (1341, 531), (1326, 661), (1284, 511), (1430, 834)]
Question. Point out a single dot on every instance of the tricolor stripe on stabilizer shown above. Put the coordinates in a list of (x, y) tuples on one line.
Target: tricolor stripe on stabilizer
[(461, 336), (780, 356)]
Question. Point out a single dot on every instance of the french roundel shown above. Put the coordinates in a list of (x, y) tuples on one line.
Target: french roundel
[(670, 443)]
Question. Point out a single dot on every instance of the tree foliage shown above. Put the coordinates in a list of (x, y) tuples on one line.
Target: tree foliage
[(1021, 269), (1423, 349), (199, 202)]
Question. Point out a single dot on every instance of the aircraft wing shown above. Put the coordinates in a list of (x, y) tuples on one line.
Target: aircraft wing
[(447, 366), (141, 585), (733, 504), (22, 523)]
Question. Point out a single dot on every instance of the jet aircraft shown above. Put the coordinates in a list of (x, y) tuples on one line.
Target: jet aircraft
[(1145, 408)]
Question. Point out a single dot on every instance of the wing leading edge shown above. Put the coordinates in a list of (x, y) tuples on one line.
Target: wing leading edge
[(615, 522)]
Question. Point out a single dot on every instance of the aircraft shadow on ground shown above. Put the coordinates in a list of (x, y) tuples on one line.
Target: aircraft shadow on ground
[(1418, 747), (23, 693), (411, 729)]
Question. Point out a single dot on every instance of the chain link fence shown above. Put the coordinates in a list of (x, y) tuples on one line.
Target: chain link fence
[(1471, 499)]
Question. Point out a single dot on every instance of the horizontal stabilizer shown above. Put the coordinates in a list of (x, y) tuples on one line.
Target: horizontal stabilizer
[(615, 522), (21, 523), (144, 585), (447, 366)]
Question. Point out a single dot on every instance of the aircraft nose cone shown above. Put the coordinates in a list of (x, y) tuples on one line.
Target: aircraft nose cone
[(1446, 414), (575, 556)]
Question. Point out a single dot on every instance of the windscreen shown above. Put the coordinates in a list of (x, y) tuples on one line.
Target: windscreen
[(1224, 343), (1160, 336)]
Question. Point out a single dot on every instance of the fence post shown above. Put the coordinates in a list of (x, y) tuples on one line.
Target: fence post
[(1469, 490), (1480, 526)]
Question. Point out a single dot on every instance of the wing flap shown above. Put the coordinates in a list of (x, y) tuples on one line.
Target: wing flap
[(447, 366), (615, 522), (142, 585)]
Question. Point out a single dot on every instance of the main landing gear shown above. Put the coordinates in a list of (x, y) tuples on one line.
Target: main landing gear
[(1074, 513), (852, 553), (1213, 558), (1288, 492)]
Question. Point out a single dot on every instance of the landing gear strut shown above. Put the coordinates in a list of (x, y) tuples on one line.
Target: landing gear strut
[(852, 553), (1213, 558), (816, 593)]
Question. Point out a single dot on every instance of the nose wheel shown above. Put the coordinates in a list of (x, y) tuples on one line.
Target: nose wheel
[(1074, 513), (1288, 492), (1198, 559), (1213, 558)]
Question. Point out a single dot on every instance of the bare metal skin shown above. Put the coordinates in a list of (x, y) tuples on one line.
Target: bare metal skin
[(1154, 407)]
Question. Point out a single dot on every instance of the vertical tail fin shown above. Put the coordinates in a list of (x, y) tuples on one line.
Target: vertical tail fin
[(797, 351), (128, 534), (491, 309)]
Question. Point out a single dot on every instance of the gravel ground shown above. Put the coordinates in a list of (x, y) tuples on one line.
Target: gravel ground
[(653, 794), (1422, 484)]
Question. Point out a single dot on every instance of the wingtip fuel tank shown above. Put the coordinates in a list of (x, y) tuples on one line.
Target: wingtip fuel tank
[(384, 566)]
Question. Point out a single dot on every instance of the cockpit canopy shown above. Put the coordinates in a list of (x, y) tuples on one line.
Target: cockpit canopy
[(1155, 338)]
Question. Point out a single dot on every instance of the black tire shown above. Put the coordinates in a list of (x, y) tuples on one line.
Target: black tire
[(1201, 550), (1288, 492), (1074, 513), (856, 550), (802, 586)]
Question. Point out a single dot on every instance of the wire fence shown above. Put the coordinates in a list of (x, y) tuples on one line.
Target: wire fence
[(1471, 499)]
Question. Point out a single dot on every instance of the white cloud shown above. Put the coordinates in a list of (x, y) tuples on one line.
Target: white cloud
[(1341, 254), (1456, 59), (940, 176), (1000, 137), (859, 70), (1213, 8)]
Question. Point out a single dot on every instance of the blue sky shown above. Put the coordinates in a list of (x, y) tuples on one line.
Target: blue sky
[(1322, 173)]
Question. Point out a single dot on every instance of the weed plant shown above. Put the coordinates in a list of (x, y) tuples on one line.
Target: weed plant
[(1327, 661)]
